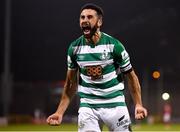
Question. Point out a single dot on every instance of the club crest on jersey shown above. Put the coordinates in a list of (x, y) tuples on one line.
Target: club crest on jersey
[(105, 55)]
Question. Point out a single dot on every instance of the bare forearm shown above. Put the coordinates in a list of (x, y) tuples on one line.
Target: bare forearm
[(63, 104), (68, 93), (66, 99), (70, 88), (135, 88)]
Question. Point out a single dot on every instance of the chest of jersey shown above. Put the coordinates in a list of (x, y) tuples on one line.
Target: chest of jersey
[(97, 55), (92, 60)]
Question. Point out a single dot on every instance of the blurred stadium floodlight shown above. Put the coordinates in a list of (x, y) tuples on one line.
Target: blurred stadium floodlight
[(159, 77), (165, 96), (156, 74), (6, 76)]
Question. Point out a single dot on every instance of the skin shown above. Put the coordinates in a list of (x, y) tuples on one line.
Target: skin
[(90, 17), (135, 90), (70, 88)]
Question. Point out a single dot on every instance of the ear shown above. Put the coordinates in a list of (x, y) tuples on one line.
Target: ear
[(100, 22)]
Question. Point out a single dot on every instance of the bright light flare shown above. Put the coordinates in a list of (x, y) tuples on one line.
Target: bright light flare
[(156, 74), (165, 96)]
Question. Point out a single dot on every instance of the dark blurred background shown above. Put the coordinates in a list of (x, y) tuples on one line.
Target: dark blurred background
[(35, 35)]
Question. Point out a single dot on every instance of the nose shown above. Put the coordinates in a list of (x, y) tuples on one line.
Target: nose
[(85, 19)]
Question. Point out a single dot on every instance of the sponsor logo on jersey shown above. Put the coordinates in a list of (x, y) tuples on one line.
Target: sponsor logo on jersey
[(95, 72)]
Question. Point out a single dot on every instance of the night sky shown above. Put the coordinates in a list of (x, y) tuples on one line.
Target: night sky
[(41, 31)]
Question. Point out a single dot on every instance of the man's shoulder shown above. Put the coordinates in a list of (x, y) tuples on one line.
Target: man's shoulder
[(110, 38), (77, 41)]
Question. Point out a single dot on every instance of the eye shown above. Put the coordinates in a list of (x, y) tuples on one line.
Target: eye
[(89, 16), (82, 17)]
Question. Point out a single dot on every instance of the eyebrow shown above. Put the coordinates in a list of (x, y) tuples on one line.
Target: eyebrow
[(86, 15)]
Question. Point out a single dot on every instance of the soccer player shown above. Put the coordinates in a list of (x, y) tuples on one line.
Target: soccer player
[(97, 66)]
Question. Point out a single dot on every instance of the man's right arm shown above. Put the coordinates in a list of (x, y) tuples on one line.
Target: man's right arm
[(70, 88)]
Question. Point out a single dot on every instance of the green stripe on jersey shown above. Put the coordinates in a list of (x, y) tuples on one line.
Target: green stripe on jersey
[(105, 85), (125, 61), (107, 105), (109, 96)]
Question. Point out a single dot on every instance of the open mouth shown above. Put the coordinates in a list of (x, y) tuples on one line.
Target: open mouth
[(86, 28)]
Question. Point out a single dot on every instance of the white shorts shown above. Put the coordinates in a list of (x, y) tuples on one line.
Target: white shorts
[(92, 119)]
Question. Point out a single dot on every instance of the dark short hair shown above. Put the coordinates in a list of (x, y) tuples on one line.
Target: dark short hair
[(95, 7)]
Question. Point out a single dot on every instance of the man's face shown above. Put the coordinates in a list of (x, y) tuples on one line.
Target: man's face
[(89, 22)]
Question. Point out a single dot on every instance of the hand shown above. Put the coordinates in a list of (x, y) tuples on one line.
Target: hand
[(54, 119), (140, 112)]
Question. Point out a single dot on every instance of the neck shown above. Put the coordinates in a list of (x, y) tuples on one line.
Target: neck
[(95, 38)]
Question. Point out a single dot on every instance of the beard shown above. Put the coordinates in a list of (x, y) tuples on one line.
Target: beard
[(87, 30)]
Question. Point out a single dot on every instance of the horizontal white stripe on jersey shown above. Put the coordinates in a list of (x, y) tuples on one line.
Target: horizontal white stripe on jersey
[(94, 63), (72, 68), (99, 91), (103, 101), (106, 77), (97, 49)]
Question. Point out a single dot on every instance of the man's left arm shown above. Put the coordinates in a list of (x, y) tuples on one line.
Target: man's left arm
[(135, 91)]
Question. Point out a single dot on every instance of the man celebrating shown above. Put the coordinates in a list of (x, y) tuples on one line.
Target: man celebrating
[(97, 65)]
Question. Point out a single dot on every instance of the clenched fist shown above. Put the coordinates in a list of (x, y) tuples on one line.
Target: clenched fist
[(140, 112), (54, 119)]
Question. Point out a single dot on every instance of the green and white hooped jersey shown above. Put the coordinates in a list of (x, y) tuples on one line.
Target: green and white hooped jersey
[(101, 67)]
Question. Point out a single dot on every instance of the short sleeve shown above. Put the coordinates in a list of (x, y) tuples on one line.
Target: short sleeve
[(121, 57), (71, 58)]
